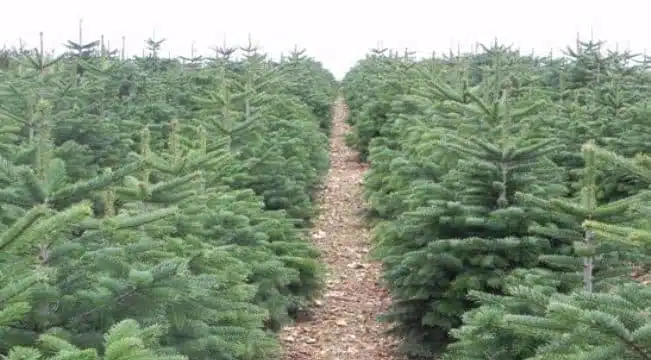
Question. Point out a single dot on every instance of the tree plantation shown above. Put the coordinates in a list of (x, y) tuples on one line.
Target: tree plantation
[(158, 208), (509, 198), (151, 211)]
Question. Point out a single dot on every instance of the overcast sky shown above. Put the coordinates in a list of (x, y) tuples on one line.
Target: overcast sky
[(336, 32)]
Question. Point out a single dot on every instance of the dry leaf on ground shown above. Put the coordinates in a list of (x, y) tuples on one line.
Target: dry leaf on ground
[(343, 324)]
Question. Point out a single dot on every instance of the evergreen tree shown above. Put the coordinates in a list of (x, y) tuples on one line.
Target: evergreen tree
[(589, 264), (467, 232), (519, 242), (125, 340), (165, 226)]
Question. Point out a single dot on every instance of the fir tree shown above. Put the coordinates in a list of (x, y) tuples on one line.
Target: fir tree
[(470, 232), (172, 235), (125, 340), (585, 263)]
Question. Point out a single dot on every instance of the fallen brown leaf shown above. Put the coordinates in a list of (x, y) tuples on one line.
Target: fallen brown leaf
[(343, 325)]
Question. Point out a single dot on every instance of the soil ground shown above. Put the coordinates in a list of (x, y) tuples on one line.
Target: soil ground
[(342, 324)]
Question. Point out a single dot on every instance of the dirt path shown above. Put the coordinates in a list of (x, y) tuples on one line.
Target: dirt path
[(342, 325)]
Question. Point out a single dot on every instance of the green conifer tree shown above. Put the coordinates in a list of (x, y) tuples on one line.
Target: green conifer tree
[(124, 340), (468, 231), (582, 262), (613, 323)]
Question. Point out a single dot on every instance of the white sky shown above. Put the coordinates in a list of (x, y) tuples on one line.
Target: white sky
[(336, 32)]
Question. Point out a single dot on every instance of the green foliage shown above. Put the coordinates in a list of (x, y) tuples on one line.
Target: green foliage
[(124, 340), (594, 264), (138, 191), (484, 207)]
